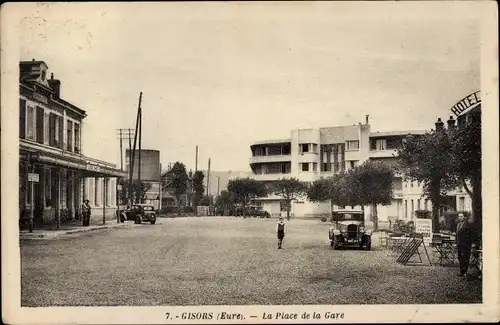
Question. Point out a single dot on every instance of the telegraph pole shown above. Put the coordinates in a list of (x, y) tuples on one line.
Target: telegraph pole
[(135, 142), (218, 183), (196, 161), (208, 176)]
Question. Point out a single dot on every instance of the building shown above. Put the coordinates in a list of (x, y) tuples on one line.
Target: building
[(54, 174), (310, 154), (168, 191), (150, 172)]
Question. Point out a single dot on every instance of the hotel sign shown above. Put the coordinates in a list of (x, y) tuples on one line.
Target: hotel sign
[(93, 168), (467, 103), (40, 98)]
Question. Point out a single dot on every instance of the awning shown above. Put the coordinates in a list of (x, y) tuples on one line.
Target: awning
[(52, 156)]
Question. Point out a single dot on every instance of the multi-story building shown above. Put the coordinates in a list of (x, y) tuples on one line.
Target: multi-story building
[(54, 174), (310, 154)]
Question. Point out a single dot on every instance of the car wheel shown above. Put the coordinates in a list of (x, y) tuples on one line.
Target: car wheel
[(153, 220), (138, 219), (334, 244)]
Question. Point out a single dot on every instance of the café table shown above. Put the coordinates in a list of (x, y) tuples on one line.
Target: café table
[(446, 250)]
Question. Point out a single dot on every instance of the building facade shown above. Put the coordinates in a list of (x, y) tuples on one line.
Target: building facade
[(54, 174), (311, 154)]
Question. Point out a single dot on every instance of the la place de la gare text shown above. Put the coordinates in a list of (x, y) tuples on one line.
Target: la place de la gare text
[(265, 316)]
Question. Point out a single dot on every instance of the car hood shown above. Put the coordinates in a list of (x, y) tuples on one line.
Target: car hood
[(348, 222)]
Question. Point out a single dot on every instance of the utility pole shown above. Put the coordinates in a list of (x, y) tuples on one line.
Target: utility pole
[(196, 161), (121, 147), (218, 183), (208, 176), (140, 153), (208, 187), (135, 142)]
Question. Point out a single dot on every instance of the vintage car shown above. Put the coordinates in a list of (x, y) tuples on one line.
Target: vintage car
[(348, 230), (140, 213)]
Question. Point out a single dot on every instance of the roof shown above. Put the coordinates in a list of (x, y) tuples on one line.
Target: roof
[(271, 142), (396, 133)]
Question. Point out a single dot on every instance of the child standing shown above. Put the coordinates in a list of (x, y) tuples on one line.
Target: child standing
[(280, 229)]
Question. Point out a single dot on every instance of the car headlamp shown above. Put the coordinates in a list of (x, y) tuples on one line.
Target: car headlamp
[(361, 229), (343, 228)]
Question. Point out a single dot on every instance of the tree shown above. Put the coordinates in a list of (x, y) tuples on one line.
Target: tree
[(466, 155), (245, 189), (205, 200), (332, 189), (224, 202), (289, 189), (198, 187), (179, 182), (428, 159), (138, 190), (371, 184)]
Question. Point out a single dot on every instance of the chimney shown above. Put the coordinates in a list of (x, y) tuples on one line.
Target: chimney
[(439, 125), (367, 116), (55, 85), (451, 123)]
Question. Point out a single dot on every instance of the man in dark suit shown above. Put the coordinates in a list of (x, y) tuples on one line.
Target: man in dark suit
[(464, 243)]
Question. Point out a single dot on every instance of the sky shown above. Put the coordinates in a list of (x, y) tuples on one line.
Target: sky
[(223, 75)]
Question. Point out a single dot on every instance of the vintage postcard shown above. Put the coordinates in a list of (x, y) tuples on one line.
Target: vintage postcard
[(250, 162)]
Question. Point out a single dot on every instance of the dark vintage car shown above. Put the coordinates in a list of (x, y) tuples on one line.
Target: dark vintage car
[(140, 213), (348, 230)]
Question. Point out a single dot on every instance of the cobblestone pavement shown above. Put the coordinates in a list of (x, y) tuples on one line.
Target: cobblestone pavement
[(225, 261)]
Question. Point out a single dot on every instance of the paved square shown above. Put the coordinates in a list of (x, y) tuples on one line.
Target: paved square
[(225, 261)]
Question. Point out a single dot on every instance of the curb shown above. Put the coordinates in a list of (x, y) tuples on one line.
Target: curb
[(56, 233)]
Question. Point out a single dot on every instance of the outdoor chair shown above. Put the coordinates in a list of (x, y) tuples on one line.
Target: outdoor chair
[(445, 249)]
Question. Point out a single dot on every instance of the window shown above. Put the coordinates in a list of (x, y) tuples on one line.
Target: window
[(30, 122), (22, 118), (381, 144), (411, 184), (315, 148), (315, 167), (46, 129), (352, 145), (304, 147), (406, 209), (39, 124), (425, 204), (353, 163), (418, 204), (69, 136), (48, 188), (304, 167), (77, 137), (412, 209), (461, 203)]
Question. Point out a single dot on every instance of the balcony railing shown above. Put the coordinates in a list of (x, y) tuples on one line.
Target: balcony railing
[(274, 158), (270, 177)]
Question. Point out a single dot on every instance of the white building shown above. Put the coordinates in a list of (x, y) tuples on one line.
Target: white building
[(311, 154)]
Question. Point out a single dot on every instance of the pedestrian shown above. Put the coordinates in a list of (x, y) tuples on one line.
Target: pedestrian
[(463, 240), (86, 212), (280, 229)]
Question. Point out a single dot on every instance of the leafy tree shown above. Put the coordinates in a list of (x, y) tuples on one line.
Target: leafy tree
[(245, 189), (138, 190), (466, 155), (179, 182), (428, 159), (332, 189), (198, 187), (289, 189), (205, 200), (224, 202), (371, 184)]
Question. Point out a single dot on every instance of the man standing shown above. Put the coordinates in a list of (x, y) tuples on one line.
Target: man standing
[(280, 229), (464, 242), (86, 211)]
